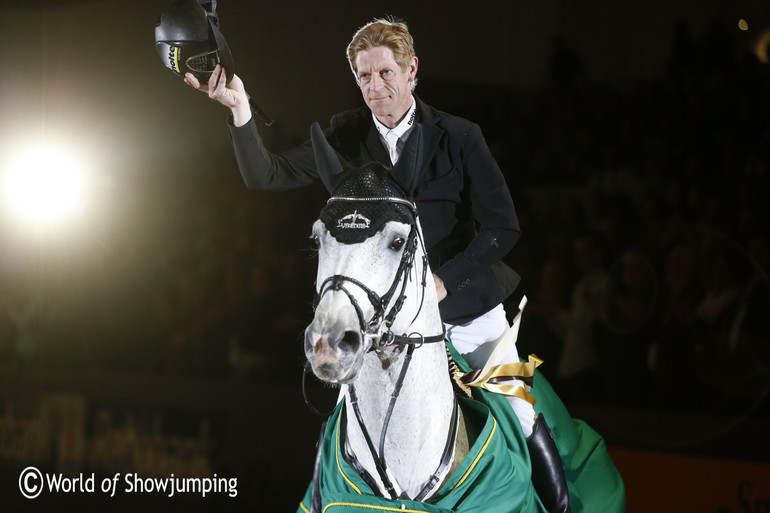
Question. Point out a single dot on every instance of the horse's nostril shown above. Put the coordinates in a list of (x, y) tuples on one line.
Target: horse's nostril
[(350, 341)]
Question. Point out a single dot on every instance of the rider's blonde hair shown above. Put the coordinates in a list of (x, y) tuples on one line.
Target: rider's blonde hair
[(388, 32)]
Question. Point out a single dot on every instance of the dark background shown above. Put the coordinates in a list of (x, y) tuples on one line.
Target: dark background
[(161, 333)]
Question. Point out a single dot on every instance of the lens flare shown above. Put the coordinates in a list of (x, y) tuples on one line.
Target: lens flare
[(44, 186)]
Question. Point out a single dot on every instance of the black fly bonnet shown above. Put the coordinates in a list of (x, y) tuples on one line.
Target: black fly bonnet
[(365, 200)]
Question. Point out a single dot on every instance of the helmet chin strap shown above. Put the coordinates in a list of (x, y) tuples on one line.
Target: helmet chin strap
[(210, 6), (211, 10), (259, 112)]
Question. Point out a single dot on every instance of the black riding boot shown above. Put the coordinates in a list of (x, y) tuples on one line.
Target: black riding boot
[(547, 472)]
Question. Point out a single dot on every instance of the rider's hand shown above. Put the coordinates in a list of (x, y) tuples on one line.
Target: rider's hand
[(232, 95), (440, 289)]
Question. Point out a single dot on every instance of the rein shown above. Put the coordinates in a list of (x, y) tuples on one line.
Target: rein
[(379, 455)]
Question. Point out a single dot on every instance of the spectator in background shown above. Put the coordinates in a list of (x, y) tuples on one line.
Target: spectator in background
[(628, 302), (545, 324), (671, 353), (578, 367)]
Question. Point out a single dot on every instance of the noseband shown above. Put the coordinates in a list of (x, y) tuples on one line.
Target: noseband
[(378, 328)]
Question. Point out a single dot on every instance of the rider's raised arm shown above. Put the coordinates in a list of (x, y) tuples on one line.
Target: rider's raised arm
[(260, 168)]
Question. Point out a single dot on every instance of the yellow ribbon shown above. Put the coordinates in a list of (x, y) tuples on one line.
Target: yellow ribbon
[(493, 377), (506, 372)]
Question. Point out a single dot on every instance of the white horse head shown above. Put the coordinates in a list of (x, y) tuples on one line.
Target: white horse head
[(376, 304), (373, 284)]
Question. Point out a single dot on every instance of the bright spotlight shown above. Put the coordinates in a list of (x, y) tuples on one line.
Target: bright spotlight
[(44, 185)]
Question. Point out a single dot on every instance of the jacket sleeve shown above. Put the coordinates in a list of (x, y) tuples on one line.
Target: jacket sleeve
[(262, 169), (497, 226)]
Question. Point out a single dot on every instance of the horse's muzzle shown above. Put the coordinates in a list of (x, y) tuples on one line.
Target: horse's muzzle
[(330, 354)]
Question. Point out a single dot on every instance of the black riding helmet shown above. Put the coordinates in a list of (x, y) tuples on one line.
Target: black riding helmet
[(188, 39)]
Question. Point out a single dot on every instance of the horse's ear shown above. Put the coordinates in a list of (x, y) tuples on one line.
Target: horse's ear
[(408, 165), (330, 164)]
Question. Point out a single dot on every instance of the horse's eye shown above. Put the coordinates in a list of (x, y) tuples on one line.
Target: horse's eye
[(397, 244), (315, 241)]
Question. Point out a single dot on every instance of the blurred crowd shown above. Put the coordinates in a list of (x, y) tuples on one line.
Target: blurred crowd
[(645, 247), (644, 252)]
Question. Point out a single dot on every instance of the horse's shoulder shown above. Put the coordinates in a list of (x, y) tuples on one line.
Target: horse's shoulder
[(469, 427)]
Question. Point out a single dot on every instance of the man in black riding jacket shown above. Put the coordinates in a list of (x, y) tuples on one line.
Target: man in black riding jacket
[(465, 207)]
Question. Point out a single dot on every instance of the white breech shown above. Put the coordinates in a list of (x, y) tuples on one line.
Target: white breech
[(474, 341)]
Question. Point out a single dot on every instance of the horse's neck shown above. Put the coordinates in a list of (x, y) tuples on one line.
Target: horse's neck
[(421, 419), (422, 415)]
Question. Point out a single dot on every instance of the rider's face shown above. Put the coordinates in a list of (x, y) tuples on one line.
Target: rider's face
[(386, 88)]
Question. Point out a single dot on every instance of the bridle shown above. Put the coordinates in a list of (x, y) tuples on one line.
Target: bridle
[(377, 331)]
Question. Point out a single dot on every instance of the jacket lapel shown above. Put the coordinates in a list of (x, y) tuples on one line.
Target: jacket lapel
[(419, 150), (409, 166), (431, 132), (372, 143)]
